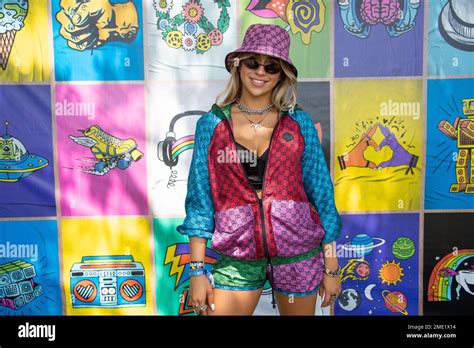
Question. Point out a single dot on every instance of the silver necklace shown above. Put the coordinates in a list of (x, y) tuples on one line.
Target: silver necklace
[(258, 124), (251, 111)]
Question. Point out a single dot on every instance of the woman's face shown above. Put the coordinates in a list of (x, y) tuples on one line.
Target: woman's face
[(257, 82)]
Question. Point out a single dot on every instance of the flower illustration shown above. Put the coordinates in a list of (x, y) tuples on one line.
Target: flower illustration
[(203, 42), (216, 37), (174, 39), (163, 6), (189, 42), (163, 24), (193, 11), (305, 17), (190, 28)]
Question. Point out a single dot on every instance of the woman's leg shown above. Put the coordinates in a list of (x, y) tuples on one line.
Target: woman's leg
[(235, 302), (295, 305), (301, 278)]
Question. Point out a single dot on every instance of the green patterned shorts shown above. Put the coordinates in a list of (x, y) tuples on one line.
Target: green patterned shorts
[(298, 275)]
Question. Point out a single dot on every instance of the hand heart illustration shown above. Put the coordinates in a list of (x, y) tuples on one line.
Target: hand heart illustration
[(378, 148), (382, 155)]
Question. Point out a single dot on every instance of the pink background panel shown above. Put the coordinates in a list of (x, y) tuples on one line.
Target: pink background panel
[(119, 111)]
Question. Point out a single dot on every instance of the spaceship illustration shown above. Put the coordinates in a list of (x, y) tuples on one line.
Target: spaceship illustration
[(15, 161)]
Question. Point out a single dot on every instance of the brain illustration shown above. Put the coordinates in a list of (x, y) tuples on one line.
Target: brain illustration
[(12, 15), (376, 11)]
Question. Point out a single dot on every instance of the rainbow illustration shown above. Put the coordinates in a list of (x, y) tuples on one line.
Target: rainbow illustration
[(181, 145), (439, 285)]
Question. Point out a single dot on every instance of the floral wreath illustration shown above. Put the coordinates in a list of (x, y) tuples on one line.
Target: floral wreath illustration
[(302, 17), (190, 29)]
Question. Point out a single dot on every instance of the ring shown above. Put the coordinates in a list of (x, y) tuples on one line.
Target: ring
[(198, 309)]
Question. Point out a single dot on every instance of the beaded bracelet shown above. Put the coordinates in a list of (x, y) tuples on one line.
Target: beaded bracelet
[(196, 264)]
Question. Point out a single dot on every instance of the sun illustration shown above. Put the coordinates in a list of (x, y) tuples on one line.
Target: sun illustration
[(391, 272)]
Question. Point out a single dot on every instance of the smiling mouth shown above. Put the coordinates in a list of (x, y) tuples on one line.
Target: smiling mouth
[(257, 82)]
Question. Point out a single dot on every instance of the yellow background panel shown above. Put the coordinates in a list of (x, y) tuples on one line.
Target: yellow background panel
[(29, 58), (114, 236), (357, 103)]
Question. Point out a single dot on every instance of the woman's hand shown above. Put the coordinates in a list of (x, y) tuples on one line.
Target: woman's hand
[(200, 290), (330, 286)]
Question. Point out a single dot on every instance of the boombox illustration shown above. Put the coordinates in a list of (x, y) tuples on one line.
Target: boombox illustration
[(110, 281), (17, 287)]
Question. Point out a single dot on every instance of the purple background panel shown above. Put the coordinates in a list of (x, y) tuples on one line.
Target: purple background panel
[(379, 54), (386, 227), (28, 111)]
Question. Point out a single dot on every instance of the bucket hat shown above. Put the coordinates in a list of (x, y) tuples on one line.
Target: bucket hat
[(269, 39), (456, 24)]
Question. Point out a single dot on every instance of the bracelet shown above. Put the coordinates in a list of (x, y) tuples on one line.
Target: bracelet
[(330, 273), (198, 272), (342, 163), (196, 264)]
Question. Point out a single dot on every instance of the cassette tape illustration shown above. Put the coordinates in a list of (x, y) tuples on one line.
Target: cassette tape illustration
[(17, 286), (108, 281)]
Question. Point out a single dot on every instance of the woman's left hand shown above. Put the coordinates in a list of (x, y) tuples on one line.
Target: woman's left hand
[(330, 289)]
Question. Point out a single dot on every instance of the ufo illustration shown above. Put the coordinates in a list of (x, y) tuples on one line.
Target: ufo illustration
[(15, 161), (456, 24), (363, 244)]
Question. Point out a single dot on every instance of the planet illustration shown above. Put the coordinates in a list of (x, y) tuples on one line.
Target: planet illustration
[(363, 244), (403, 248), (15, 161), (395, 301), (349, 300)]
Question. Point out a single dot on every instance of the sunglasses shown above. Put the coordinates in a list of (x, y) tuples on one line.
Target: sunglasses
[(252, 63)]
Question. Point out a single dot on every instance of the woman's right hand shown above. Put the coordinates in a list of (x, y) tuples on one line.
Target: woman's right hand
[(201, 293)]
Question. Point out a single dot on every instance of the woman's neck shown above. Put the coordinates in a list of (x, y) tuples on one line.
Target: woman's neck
[(252, 102)]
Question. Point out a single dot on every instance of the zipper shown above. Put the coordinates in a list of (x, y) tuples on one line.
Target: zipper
[(260, 203)]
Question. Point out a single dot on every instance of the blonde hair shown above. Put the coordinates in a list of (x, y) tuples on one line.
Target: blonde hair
[(283, 95)]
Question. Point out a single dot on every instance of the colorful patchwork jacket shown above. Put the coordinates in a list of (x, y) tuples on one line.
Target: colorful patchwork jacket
[(297, 210)]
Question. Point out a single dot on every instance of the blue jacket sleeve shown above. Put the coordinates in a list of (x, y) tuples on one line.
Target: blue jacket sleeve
[(199, 220), (317, 179)]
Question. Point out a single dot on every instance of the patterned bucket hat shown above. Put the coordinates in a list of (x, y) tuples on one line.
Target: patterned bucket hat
[(268, 39)]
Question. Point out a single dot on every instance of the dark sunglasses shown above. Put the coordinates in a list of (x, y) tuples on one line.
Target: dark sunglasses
[(252, 63)]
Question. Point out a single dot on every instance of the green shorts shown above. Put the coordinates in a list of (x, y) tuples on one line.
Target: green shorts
[(298, 275)]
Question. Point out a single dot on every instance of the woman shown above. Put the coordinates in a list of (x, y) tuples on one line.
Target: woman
[(259, 187)]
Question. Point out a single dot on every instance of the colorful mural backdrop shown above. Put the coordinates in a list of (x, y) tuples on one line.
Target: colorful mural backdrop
[(99, 105)]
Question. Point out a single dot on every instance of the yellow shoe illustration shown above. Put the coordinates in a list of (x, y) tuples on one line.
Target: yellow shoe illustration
[(108, 149)]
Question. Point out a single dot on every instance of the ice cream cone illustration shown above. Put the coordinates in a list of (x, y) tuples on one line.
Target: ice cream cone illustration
[(12, 17)]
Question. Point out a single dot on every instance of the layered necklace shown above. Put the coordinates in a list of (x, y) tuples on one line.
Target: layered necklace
[(246, 110)]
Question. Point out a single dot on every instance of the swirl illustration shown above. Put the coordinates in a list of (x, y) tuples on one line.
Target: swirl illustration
[(305, 17)]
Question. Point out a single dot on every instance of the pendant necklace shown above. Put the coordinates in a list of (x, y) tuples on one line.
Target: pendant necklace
[(246, 110)]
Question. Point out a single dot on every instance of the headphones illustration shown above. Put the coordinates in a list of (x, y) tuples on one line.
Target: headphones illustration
[(170, 148)]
